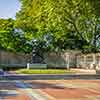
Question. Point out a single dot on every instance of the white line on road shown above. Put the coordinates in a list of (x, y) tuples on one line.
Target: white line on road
[(35, 95)]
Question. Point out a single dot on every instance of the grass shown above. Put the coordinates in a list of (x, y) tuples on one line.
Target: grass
[(43, 71)]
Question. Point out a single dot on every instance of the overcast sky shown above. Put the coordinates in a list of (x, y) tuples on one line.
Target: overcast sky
[(8, 8)]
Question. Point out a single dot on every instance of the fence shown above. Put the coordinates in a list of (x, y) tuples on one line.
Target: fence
[(53, 60), (61, 59), (88, 61), (14, 59)]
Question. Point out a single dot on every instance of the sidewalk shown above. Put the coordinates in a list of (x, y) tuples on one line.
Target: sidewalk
[(84, 71)]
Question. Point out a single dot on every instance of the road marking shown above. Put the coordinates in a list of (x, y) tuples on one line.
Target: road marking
[(46, 94), (35, 95), (26, 87)]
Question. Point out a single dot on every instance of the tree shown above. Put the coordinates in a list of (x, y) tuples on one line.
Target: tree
[(12, 39), (6, 33), (64, 21), (96, 6)]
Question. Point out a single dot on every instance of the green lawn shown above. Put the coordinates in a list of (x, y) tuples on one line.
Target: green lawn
[(43, 71)]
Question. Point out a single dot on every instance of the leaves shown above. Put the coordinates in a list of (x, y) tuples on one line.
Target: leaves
[(70, 24), (11, 38)]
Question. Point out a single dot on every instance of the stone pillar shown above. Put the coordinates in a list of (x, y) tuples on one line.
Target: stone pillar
[(28, 66), (85, 61), (78, 60), (68, 61), (94, 61)]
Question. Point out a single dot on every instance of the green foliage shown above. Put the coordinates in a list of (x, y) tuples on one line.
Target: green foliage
[(12, 39), (53, 25), (96, 6), (45, 71), (6, 33), (59, 25)]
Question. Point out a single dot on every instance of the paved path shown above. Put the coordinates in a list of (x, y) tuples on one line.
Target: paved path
[(50, 90)]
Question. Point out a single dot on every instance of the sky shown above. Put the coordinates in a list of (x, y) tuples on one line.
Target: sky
[(8, 8)]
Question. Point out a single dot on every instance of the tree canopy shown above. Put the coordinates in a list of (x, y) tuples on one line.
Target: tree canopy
[(63, 24), (12, 39), (53, 25)]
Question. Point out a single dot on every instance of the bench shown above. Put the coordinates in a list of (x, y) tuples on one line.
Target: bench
[(36, 66)]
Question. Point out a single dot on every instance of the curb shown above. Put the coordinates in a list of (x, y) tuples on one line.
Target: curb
[(49, 77)]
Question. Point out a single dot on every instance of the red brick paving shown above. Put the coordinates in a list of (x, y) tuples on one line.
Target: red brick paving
[(61, 92), (20, 97), (56, 89), (69, 93)]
